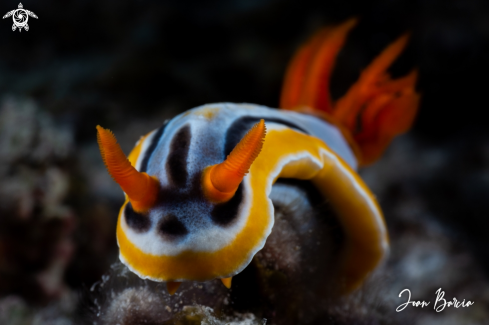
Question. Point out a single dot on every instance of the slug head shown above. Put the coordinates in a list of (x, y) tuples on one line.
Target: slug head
[(184, 229)]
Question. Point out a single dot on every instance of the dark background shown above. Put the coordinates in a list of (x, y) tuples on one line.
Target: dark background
[(133, 58), (128, 65)]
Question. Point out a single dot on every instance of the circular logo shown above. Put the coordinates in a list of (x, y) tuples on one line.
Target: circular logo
[(20, 18)]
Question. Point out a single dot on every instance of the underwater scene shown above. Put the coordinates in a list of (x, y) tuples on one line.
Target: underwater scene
[(239, 162)]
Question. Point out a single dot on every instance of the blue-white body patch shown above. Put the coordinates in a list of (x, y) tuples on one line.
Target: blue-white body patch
[(209, 126)]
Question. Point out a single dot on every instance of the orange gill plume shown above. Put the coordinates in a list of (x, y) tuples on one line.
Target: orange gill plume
[(306, 82), (220, 181), (372, 112), (140, 188)]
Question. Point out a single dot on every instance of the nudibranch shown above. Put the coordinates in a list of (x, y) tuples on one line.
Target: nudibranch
[(197, 189)]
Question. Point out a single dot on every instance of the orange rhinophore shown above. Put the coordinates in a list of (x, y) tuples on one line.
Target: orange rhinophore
[(141, 189), (221, 181), (372, 112)]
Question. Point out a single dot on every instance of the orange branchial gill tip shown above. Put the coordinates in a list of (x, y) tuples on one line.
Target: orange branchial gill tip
[(227, 282), (172, 287), (141, 188), (221, 181)]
